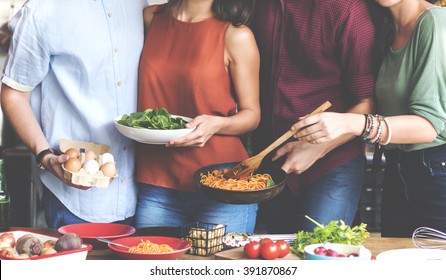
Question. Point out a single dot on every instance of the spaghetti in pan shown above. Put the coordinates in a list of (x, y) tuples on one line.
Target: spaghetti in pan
[(215, 179)]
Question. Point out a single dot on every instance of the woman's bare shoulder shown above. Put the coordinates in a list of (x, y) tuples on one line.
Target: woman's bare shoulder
[(148, 14), (238, 35)]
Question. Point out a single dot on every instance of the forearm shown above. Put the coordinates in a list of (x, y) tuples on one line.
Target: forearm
[(244, 121), (409, 129), (17, 109)]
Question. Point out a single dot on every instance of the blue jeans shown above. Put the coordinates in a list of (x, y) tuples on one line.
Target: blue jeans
[(158, 206), (414, 191), (333, 197), (57, 215)]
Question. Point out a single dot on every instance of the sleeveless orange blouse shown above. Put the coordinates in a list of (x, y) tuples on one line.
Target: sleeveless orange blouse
[(182, 69)]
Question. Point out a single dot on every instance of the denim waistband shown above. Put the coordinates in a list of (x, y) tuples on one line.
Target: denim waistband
[(393, 156)]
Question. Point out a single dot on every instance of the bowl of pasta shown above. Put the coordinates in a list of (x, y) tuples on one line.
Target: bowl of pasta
[(267, 182), (150, 247)]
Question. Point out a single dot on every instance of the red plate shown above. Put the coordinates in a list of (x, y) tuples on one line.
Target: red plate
[(89, 232), (181, 246)]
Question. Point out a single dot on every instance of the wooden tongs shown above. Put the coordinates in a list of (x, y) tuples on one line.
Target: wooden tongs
[(248, 166)]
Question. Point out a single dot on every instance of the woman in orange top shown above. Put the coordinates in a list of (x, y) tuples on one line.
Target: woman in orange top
[(199, 60)]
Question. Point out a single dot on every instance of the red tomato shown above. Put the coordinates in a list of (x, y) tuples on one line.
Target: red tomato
[(284, 248), (269, 251), (266, 240), (252, 249)]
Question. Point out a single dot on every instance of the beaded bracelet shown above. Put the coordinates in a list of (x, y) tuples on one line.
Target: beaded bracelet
[(377, 137), (380, 132)]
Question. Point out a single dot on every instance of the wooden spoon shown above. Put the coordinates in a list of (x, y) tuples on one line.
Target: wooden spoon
[(248, 166)]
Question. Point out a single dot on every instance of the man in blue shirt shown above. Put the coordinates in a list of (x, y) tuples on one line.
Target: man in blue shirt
[(71, 69)]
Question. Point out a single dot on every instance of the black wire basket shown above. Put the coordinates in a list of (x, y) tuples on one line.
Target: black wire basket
[(206, 238)]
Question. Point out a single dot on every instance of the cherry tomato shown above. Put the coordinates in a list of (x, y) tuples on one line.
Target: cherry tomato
[(284, 248), (252, 249), (266, 240), (269, 251)]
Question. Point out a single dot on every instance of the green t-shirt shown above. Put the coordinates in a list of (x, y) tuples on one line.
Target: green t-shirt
[(412, 80)]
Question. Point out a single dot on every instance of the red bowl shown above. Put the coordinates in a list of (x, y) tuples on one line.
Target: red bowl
[(89, 232), (181, 246)]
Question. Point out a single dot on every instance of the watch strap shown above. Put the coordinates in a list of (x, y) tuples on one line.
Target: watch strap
[(43, 153)]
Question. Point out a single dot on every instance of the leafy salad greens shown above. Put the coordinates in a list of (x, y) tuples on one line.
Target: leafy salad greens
[(152, 119), (333, 232)]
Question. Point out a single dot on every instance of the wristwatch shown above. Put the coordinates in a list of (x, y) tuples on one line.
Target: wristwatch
[(43, 153)]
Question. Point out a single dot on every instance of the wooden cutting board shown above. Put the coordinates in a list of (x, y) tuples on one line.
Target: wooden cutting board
[(237, 254)]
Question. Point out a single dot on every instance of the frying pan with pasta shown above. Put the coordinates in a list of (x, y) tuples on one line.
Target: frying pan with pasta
[(242, 196)]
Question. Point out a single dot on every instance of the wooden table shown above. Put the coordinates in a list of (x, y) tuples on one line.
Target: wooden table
[(376, 244)]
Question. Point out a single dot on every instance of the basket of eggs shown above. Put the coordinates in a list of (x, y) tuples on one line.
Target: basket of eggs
[(89, 164)]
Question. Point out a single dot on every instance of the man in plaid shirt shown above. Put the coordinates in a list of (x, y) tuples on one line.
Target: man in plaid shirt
[(311, 52)]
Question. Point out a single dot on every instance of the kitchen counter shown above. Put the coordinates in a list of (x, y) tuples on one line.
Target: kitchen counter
[(376, 244)]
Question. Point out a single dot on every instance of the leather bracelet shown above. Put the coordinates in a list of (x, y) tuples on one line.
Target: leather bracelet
[(43, 153), (369, 127)]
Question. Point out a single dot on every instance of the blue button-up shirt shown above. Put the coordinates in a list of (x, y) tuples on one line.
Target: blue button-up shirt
[(79, 59)]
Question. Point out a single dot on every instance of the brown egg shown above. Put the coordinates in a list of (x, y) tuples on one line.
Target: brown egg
[(109, 169), (73, 164), (72, 153), (90, 155)]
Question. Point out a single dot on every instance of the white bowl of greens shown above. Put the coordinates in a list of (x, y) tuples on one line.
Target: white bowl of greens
[(335, 232), (153, 126)]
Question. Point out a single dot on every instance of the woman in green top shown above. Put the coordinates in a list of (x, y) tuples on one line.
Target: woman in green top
[(411, 125)]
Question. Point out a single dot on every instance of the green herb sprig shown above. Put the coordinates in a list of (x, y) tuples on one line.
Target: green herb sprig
[(333, 232)]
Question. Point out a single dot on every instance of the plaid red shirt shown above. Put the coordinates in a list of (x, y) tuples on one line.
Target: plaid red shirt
[(312, 51)]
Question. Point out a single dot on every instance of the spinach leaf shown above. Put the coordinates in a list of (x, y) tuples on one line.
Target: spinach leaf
[(152, 119), (270, 183)]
